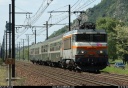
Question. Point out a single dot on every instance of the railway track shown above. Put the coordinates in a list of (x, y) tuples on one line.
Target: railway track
[(116, 77), (42, 73), (64, 77)]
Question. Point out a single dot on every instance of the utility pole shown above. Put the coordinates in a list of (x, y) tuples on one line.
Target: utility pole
[(10, 30), (23, 49), (3, 49), (13, 34), (35, 36), (28, 47), (19, 50), (46, 30), (69, 18), (69, 12), (6, 45), (28, 44), (13, 37)]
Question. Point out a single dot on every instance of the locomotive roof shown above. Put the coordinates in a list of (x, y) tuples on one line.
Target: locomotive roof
[(88, 31)]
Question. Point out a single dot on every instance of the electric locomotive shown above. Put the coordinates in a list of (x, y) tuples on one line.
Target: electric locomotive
[(84, 48)]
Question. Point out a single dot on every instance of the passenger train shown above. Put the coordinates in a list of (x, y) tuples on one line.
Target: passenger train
[(84, 48)]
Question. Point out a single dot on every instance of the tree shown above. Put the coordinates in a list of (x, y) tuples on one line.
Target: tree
[(122, 42), (109, 24)]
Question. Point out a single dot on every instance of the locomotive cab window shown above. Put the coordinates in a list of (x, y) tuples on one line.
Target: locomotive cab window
[(91, 37), (83, 38), (99, 37)]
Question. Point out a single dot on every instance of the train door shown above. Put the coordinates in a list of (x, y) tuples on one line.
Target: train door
[(67, 52)]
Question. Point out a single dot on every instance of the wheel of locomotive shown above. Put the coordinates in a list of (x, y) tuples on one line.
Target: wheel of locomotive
[(78, 69), (71, 65), (74, 66), (63, 65)]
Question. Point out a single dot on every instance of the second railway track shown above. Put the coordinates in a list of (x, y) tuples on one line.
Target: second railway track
[(65, 78)]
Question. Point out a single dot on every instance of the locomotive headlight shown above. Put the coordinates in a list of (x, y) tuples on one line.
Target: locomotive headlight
[(81, 52), (101, 52)]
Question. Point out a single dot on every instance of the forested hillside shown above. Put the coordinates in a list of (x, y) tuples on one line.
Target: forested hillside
[(109, 8)]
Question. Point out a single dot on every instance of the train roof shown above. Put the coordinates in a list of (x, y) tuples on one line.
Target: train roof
[(87, 31), (47, 41), (68, 33)]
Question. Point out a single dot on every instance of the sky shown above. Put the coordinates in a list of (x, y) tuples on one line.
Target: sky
[(40, 9)]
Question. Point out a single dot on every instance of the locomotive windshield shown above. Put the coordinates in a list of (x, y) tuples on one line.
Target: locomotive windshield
[(91, 37)]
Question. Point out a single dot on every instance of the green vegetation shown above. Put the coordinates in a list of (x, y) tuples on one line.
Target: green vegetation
[(117, 44), (3, 76), (112, 69), (1, 61), (109, 8)]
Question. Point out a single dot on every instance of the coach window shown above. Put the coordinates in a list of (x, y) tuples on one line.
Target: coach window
[(59, 45), (46, 48), (50, 47), (54, 46), (38, 51), (41, 48), (32, 51)]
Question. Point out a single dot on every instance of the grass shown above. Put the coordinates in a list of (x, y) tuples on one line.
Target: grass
[(19, 82), (3, 76), (112, 69), (1, 61)]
